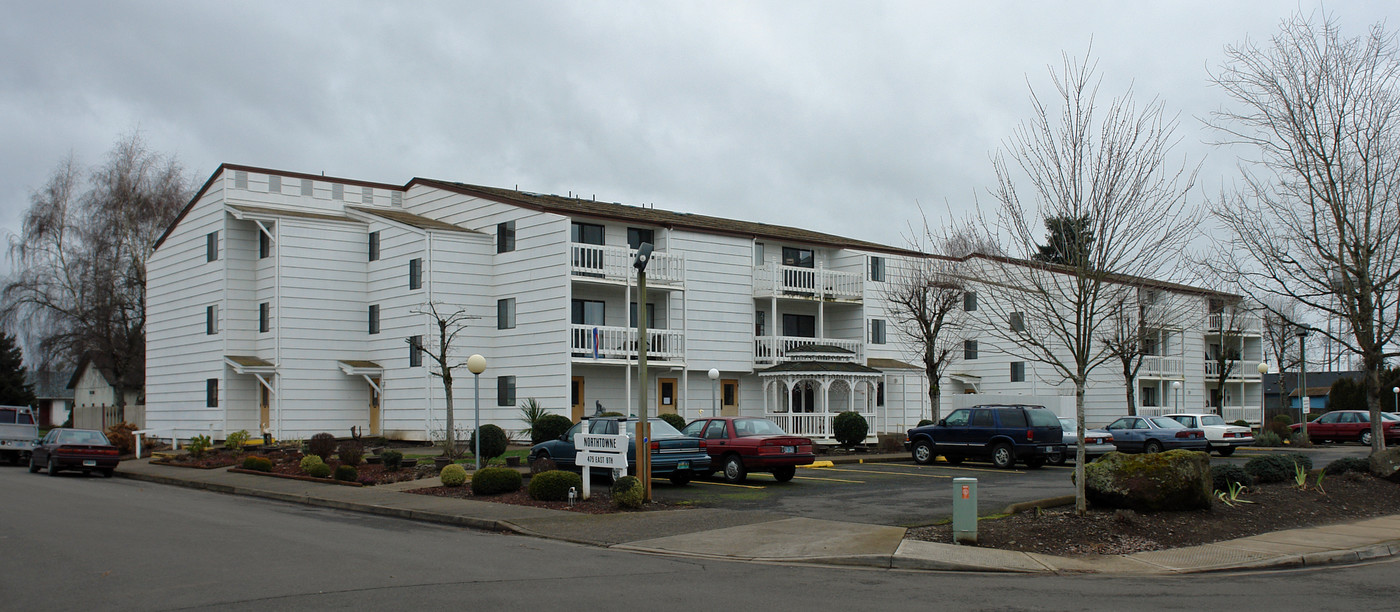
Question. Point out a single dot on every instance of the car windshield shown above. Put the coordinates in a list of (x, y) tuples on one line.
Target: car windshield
[(744, 428), (1166, 423), (1390, 416), (1212, 419), (1041, 417), (1067, 425), (659, 429), (78, 436)]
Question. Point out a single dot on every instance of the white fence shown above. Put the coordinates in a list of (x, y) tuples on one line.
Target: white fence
[(1236, 369), (102, 417), (615, 263), (815, 424), (774, 349), (812, 282), (621, 342)]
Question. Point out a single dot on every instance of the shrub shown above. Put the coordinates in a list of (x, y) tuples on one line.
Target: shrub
[(1268, 439), (1240, 423), (550, 428), (495, 480), (198, 446), (318, 470), (493, 442), (310, 460), (1274, 468), (532, 412), (393, 460), (255, 462), (235, 440), (1222, 476), (121, 436), (850, 428), (351, 453), (675, 420), (542, 465), (554, 485), (1300, 439), (1301, 459), (347, 473), (1279, 425), (1348, 464), (321, 445), (923, 422), (612, 413), (627, 492), (454, 475)]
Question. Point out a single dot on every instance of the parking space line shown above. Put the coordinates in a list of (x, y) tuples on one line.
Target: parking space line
[(881, 472), (727, 484), (828, 479)]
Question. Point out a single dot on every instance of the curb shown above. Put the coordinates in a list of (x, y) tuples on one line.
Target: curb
[(1049, 502)]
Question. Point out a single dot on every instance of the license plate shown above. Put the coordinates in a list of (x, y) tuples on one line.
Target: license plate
[(89, 462), (789, 449), (683, 465)]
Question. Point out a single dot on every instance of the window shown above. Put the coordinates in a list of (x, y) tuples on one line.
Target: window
[(264, 244), (877, 331), (586, 233), (880, 393), (374, 318), (970, 301), (1011, 417), (801, 258), (1018, 321), (758, 253), (274, 184), (1149, 397), (800, 326), (374, 246), (982, 417), (211, 246), (211, 320), (958, 418), (588, 312), (969, 349), (505, 391), (716, 431), (505, 237), (729, 394), (1018, 371), (651, 315), (211, 393), (637, 235), (337, 191), (760, 327), (877, 269), (264, 317), (505, 313), (415, 273), (415, 351)]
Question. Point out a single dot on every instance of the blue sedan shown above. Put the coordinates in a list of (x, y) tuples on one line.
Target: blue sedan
[(673, 455), (1155, 434)]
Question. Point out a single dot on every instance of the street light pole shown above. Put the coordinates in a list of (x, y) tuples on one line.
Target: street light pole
[(643, 443), (476, 364), (1302, 381), (1176, 394), (714, 392), (1263, 368)]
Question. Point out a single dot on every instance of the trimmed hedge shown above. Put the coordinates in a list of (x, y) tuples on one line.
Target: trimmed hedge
[(318, 470), (310, 460), (1276, 468), (347, 473), (554, 485), (1348, 464), (454, 475), (850, 428), (351, 453), (495, 480), (254, 462), (393, 460), (321, 445), (923, 422), (550, 428), (1222, 476), (675, 420), (627, 492), (493, 442)]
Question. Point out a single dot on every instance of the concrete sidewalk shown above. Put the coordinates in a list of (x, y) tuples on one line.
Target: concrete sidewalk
[(770, 537)]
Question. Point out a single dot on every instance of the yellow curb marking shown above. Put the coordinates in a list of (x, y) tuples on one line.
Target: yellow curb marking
[(727, 484), (828, 479), (818, 464), (885, 473)]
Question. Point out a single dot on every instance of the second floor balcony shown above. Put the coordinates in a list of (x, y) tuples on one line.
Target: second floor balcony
[(604, 342), (1235, 369), (772, 280), (1161, 366), (1242, 323), (614, 263)]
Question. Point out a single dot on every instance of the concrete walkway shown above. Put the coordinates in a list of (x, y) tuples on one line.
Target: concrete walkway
[(770, 537)]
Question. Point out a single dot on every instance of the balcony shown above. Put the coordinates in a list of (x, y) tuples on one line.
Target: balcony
[(816, 425), (1236, 369), (614, 264), (772, 350), (1157, 366), (1242, 323), (590, 341), (811, 283)]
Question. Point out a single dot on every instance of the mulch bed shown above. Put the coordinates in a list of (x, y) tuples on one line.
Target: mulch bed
[(600, 502), (1058, 531), (287, 463), (199, 464)]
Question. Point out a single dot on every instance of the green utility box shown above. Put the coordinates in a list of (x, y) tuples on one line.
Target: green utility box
[(965, 510)]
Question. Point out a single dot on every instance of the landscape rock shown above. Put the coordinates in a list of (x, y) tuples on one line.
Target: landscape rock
[(1174, 480), (1386, 464)]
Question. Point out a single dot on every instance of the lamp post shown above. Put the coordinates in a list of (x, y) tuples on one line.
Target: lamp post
[(1176, 394), (476, 364), (1302, 334), (1263, 368), (643, 443), (1395, 391), (714, 392)]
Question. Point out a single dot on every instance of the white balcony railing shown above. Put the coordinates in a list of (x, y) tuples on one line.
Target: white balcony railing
[(1229, 413), (615, 263), (815, 425), (770, 350), (1154, 365), (621, 343), (1236, 369), (1242, 322), (818, 283)]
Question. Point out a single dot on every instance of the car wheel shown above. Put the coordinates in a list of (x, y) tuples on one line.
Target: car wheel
[(33, 466), (784, 474), (1002, 457), (1057, 458), (1035, 464), (53, 466), (923, 452), (1152, 446), (680, 478), (1226, 451), (1365, 438), (734, 471)]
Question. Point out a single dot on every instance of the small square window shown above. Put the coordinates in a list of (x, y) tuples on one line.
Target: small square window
[(264, 245), (1018, 322), (1018, 371), (211, 246), (505, 313), (211, 320), (969, 349), (505, 391), (374, 246), (505, 237), (970, 301), (415, 351), (877, 269), (211, 393), (637, 235), (264, 317), (877, 331), (374, 318), (415, 273)]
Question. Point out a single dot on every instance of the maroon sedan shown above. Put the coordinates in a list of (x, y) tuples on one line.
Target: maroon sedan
[(74, 449), (739, 445), (1348, 425)]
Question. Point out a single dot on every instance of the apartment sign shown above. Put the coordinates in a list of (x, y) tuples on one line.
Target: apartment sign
[(602, 450)]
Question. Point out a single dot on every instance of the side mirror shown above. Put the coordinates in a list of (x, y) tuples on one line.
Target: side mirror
[(942, 422)]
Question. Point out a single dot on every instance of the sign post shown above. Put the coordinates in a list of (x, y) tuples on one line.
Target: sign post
[(607, 451)]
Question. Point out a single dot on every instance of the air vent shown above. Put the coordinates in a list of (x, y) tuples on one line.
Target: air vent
[(396, 198), (240, 179), (306, 187), (337, 191), (274, 184), (368, 197)]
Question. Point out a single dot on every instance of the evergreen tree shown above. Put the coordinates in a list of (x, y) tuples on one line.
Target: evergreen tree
[(1068, 240), (14, 389)]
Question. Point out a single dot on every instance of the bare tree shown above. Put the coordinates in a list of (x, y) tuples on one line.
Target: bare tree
[(1111, 171), (1137, 332), (449, 323), (1229, 321), (1280, 337), (79, 286), (1316, 221)]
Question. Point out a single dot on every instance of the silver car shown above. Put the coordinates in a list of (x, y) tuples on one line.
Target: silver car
[(1097, 442)]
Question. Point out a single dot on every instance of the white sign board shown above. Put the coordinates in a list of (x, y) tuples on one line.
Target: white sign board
[(607, 451)]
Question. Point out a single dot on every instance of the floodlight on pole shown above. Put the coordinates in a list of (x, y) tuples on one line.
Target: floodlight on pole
[(476, 364)]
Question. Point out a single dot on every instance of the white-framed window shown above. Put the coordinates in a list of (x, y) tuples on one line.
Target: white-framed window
[(877, 331), (505, 313), (1018, 371), (877, 269), (969, 349), (211, 246), (211, 319), (415, 273)]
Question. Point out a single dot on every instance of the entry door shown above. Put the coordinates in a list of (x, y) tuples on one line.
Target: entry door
[(576, 398), (666, 396), (374, 401), (729, 398), (264, 407)]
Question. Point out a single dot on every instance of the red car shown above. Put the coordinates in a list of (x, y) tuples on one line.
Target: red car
[(74, 449), (1348, 425), (739, 445)]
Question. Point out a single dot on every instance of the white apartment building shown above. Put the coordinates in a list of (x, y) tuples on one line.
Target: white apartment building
[(284, 301)]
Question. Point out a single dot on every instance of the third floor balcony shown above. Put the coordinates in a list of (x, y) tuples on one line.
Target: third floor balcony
[(818, 283), (614, 264)]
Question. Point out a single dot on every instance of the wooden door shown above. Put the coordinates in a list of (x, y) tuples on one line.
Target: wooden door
[(666, 396), (374, 401), (264, 407), (729, 398), (576, 398)]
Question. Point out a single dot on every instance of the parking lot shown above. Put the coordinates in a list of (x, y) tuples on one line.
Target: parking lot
[(904, 493)]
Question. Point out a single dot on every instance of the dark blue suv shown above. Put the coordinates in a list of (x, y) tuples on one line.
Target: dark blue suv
[(1003, 434)]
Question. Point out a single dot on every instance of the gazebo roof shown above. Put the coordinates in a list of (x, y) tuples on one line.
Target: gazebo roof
[(819, 367)]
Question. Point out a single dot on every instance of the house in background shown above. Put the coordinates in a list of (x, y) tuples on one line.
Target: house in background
[(52, 396), (94, 390)]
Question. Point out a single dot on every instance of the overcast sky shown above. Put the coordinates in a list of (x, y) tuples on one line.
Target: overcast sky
[(835, 116)]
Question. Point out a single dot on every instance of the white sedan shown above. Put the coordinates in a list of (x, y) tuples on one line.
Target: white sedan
[(1096, 442), (1223, 437)]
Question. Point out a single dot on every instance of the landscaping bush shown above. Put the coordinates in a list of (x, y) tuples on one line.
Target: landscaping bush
[(351, 453), (1222, 476), (235, 440), (318, 470), (310, 460), (1272, 468), (550, 428), (454, 475), (121, 436), (675, 420), (198, 446), (627, 492), (1301, 459), (1300, 439), (254, 462), (850, 428), (1268, 439), (531, 411), (554, 485), (321, 445), (495, 480), (923, 422), (347, 473), (1348, 464), (542, 465), (393, 460), (612, 413), (1240, 423), (493, 442), (1279, 425)]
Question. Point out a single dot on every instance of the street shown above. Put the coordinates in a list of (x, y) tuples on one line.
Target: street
[(75, 542)]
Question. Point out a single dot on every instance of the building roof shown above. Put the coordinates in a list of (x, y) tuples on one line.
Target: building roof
[(50, 383), (104, 367), (412, 220), (890, 364), (264, 211), (819, 349)]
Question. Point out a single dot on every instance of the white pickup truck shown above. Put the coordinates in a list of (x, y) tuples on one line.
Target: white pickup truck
[(18, 433)]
